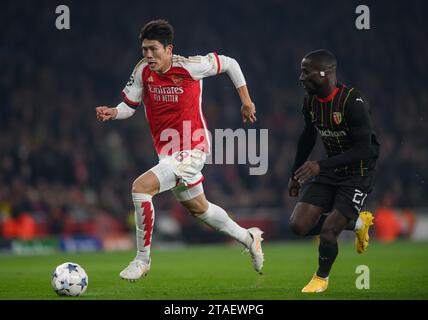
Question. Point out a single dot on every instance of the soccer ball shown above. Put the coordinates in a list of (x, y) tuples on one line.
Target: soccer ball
[(69, 279)]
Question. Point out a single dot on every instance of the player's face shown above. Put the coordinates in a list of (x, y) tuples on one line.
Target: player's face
[(158, 56), (310, 77)]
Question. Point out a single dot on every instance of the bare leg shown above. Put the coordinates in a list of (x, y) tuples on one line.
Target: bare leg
[(305, 217)]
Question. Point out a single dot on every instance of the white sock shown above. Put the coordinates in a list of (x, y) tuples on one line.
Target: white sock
[(218, 219), (144, 220), (358, 224)]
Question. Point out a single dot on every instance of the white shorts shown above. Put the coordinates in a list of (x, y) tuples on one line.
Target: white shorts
[(181, 173)]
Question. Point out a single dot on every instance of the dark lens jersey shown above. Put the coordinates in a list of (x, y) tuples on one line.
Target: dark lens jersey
[(339, 120)]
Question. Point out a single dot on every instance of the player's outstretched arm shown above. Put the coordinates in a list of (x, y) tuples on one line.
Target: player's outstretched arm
[(233, 70), (213, 64)]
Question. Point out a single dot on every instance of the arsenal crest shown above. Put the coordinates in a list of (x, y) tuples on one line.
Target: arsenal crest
[(337, 117), (177, 79)]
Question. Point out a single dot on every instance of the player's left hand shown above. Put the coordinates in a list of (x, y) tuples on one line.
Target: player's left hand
[(105, 113), (308, 170), (248, 112)]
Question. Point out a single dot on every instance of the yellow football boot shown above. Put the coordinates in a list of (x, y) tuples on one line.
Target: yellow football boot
[(316, 285), (362, 235)]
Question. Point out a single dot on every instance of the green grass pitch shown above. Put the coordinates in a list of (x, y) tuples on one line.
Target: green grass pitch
[(221, 272)]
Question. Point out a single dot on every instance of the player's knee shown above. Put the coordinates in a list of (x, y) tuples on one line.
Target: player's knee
[(328, 235), (298, 228), (147, 183), (196, 211), (196, 207), (140, 186)]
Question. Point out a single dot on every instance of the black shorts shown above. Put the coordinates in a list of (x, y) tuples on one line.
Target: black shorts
[(345, 194)]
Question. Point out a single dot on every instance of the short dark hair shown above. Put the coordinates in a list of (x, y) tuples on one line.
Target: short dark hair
[(159, 30), (322, 57)]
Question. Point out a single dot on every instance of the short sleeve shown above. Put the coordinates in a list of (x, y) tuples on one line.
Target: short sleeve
[(201, 67), (133, 91)]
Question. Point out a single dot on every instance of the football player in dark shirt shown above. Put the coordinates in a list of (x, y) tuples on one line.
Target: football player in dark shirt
[(338, 185)]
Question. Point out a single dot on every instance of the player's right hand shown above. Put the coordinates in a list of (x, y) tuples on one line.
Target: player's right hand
[(105, 113), (248, 112), (293, 187)]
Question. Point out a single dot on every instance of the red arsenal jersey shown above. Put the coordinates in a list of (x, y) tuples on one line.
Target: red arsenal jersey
[(173, 102)]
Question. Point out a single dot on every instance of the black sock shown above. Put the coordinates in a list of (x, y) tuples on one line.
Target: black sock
[(327, 254), (315, 231)]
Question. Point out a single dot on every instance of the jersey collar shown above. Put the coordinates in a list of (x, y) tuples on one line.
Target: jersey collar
[(330, 96)]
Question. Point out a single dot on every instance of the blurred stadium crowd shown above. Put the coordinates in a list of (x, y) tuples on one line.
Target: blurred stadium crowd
[(66, 173)]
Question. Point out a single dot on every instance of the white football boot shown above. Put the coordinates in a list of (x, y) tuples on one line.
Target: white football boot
[(135, 270), (255, 249)]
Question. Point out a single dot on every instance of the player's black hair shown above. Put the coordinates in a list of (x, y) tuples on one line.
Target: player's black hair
[(323, 58), (159, 30)]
